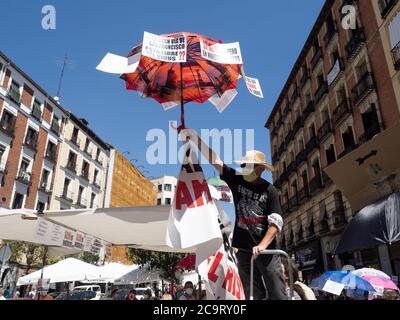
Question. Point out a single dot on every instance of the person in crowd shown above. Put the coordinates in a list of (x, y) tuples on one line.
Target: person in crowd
[(258, 219), (167, 296), (131, 295), (17, 294), (390, 294), (2, 297), (114, 295), (188, 291), (32, 293), (148, 294), (43, 296), (301, 291), (7, 292)]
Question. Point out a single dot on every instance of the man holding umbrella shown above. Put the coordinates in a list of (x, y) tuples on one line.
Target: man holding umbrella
[(258, 220)]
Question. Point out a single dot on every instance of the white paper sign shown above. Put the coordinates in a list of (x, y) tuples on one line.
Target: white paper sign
[(79, 240), (113, 63), (87, 243), (164, 48), (225, 53), (333, 287), (222, 102), (379, 290), (253, 85), (68, 240)]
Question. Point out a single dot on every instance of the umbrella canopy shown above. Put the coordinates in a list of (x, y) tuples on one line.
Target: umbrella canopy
[(383, 283), (139, 275), (376, 224), (201, 78), (188, 262), (64, 271), (347, 279), (371, 272)]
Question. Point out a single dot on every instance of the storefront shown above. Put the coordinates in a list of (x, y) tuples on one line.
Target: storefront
[(309, 259)]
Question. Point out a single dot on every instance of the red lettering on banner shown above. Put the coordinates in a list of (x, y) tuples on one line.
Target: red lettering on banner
[(201, 188), (217, 260), (232, 283), (183, 196)]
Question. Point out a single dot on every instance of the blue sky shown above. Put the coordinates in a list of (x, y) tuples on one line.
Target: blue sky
[(271, 35)]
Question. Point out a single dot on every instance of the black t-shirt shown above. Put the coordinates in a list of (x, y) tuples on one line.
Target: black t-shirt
[(253, 204)]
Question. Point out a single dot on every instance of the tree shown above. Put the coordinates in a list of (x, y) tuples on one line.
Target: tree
[(26, 253), (163, 261), (88, 257)]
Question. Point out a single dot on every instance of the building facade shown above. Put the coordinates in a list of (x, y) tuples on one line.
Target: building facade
[(126, 187), (341, 92), (81, 172), (31, 126), (165, 187)]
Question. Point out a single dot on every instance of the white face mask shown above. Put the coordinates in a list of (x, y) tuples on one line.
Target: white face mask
[(189, 291)]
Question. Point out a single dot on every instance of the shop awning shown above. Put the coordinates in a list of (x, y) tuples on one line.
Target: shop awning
[(371, 171)]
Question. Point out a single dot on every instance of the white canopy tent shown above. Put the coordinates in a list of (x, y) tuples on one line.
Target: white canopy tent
[(139, 275), (110, 272), (20, 225), (67, 270)]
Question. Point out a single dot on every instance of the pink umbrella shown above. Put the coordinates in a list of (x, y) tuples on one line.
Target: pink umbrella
[(379, 282), (188, 262)]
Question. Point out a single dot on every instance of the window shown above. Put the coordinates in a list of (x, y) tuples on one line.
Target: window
[(55, 127), (71, 161), (18, 201), (36, 110), (7, 119), (14, 92), (348, 138), (80, 193), (330, 155), (2, 161), (31, 138), (335, 56), (41, 206), (311, 131), (93, 200), (87, 143), (51, 151), (45, 179), (159, 202), (96, 175), (98, 154), (167, 200), (159, 187), (325, 115), (320, 79), (67, 182), (316, 167), (301, 145), (74, 137), (24, 173), (341, 94), (85, 170), (394, 31), (167, 187)]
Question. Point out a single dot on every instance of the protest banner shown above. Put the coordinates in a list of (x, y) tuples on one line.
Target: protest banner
[(166, 49), (225, 53)]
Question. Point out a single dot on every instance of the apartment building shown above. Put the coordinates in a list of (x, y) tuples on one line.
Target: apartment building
[(165, 187), (31, 125), (81, 173), (341, 92)]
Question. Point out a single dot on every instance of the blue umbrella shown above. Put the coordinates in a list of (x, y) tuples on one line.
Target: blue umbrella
[(348, 279)]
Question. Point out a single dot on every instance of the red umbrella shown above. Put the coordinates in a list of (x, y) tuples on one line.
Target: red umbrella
[(195, 80), (188, 262)]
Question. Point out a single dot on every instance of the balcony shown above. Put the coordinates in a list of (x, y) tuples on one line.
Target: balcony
[(304, 79), (51, 156), (81, 203), (99, 161), (333, 74), (316, 58), (14, 95), (315, 184), (338, 217), (386, 6), (355, 43), (396, 56), (71, 166), (301, 157), (321, 91), (67, 195), (341, 111), (310, 108), (291, 167), (286, 110), (363, 87), (24, 177), (293, 203), (88, 151), (347, 150), (97, 183), (304, 194), (75, 141), (325, 179), (297, 125), (3, 166), (45, 187), (8, 127), (312, 145), (330, 33), (284, 176), (295, 94), (275, 157), (281, 149), (285, 208), (31, 142), (289, 137), (85, 175), (55, 127), (325, 129), (370, 133)]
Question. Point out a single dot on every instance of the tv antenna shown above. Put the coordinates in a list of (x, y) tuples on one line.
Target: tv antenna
[(65, 62)]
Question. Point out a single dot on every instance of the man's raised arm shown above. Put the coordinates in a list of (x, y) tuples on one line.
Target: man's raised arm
[(209, 154)]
